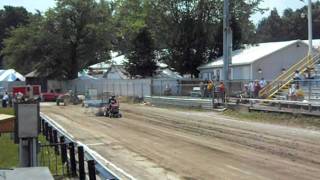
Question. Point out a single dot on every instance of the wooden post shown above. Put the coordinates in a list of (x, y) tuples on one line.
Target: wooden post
[(55, 141), (73, 165), (92, 170), (82, 175)]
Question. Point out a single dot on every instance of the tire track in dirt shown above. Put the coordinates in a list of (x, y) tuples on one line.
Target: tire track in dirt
[(167, 139)]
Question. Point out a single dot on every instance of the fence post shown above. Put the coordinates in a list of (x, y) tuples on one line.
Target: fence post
[(92, 169), (63, 149), (113, 88), (82, 175), (160, 87), (55, 141), (73, 165), (134, 89), (64, 155), (42, 125), (46, 130), (127, 89), (142, 95), (50, 134), (309, 89)]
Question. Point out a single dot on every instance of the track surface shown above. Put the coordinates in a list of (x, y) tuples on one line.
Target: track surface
[(155, 143)]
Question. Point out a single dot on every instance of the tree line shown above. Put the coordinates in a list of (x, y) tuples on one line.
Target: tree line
[(184, 33)]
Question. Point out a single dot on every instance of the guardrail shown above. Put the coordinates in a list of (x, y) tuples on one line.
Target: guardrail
[(101, 170)]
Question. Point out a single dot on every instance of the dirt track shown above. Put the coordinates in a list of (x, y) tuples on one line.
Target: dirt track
[(154, 143)]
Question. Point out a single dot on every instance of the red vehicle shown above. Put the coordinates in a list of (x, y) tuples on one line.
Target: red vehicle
[(28, 90), (49, 96)]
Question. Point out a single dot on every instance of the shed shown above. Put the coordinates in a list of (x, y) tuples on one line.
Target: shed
[(264, 60), (34, 78)]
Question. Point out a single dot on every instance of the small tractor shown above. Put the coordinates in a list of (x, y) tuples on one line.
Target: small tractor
[(68, 98)]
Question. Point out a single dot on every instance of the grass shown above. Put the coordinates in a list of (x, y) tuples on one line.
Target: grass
[(47, 157), (8, 152), (8, 111), (276, 118)]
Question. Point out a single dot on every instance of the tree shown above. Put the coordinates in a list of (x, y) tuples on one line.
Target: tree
[(271, 28), (291, 25), (130, 16), (141, 59), (10, 18), (69, 38), (195, 30)]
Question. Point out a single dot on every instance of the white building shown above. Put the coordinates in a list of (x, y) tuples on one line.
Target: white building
[(266, 60), (114, 69)]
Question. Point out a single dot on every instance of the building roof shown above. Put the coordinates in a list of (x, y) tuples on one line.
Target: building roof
[(11, 75), (167, 73), (251, 53), (315, 43), (118, 69), (116, 59)]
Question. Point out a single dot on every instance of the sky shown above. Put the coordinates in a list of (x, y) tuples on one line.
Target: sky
[(43, 5)]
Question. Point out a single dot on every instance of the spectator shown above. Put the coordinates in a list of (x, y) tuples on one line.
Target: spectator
[(251, 89), (210, 88), (292, 93), (246, 90), (257, 88), (222, 91), (202, 89), (297, 76), (299, 94), (205, 88), (5, 100), (262, 83)]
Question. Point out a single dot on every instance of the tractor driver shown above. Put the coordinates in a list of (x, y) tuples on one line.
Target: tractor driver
[(112, 99)]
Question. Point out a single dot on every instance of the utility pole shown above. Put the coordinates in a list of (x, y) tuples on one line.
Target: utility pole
[(310, 27), (227, 41)]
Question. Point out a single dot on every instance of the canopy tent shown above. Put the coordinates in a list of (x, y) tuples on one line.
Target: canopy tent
[(83, 75), (11, 75)]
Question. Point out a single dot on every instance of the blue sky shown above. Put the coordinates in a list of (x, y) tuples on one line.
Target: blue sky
[(42, 5)]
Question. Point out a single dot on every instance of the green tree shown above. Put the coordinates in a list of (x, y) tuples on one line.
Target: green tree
[(70, 37), (141, 59), (10, 18), (291, 25), (271, 28), (195, 30)]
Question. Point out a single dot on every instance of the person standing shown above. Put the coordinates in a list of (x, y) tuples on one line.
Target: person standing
[(202, 89), (210, 88), (257, 88), (251, 89), (5, 100), (205, 88), (222, 91), (292, 93), (262, 83)]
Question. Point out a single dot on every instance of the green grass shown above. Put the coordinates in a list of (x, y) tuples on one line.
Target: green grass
[(8, 111), (8, 152), (47, 157), (276, 118), (9, 155)]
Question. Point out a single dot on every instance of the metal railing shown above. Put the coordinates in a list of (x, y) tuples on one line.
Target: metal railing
[(307, 89), (73, 155), (287, 76)]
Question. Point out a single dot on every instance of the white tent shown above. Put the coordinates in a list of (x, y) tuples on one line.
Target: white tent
[(11, 75)]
